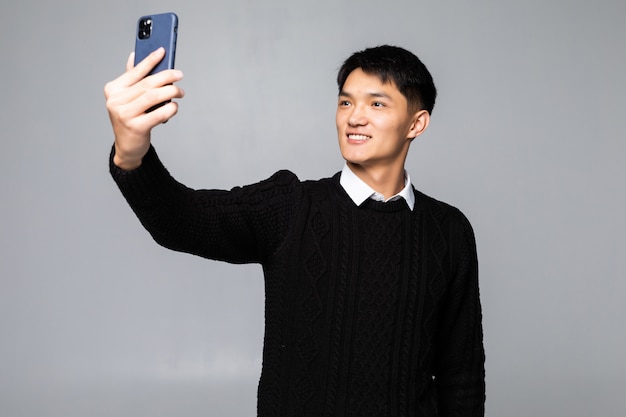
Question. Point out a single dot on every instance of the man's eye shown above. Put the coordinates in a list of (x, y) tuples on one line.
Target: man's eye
[(378, 104), (344, 103)]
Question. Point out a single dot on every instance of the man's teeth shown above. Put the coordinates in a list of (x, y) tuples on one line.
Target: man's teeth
[(358, 137)]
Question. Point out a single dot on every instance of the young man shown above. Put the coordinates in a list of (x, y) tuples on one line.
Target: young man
[(372, 301)]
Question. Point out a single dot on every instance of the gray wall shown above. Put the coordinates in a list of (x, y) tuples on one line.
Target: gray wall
[(527, 138)]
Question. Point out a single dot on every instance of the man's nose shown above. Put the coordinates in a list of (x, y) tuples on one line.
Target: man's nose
[(357, 116)]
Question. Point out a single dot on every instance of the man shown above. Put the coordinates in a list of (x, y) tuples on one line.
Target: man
[(372, 301)]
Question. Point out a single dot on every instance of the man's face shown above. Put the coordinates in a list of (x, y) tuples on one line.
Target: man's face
[(374, 126)]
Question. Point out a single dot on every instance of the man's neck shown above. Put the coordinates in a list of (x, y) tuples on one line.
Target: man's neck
[(387, 181)]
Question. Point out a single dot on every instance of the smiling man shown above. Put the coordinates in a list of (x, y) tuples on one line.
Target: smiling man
[(372, 298)]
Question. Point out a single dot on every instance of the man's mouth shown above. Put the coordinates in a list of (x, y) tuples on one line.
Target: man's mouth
[(359, 138)]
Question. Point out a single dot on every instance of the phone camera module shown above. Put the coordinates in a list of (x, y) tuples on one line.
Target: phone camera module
[(145, 28)]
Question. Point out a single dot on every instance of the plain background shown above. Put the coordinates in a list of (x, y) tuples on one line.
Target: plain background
[(527, 138)]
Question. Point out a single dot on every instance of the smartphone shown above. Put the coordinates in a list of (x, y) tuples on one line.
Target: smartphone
[(155, 31)]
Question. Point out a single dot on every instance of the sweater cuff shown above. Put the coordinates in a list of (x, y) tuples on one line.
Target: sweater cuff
[(117, 171), (148, 178)]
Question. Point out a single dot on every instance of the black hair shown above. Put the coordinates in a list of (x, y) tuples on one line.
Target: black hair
[(397, 65)]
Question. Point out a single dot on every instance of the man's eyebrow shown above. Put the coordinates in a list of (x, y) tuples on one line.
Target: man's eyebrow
[(373, 94)]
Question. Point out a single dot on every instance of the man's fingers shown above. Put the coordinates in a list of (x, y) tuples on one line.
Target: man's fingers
[(160, 79), (160, 115), (148, 63), (134, 102), (152, 97), (135, 73), (124, 95), (118, 94)]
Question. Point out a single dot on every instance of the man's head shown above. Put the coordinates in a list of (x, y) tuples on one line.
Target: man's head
[(385, 98), (398, 66)]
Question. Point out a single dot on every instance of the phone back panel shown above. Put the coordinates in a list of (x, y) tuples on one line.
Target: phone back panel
[(163, 33)]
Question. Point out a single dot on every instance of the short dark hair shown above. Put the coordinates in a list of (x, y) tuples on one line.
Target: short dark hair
[(392, 63)]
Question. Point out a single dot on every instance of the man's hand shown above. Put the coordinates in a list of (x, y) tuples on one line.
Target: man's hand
[(127, 99)]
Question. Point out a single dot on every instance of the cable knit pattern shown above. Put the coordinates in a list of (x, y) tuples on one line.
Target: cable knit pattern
[(369, 311)]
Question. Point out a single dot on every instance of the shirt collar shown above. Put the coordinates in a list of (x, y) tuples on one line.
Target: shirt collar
[(359, 191)]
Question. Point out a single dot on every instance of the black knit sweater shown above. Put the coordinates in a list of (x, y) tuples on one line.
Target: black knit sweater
[(370, 311)]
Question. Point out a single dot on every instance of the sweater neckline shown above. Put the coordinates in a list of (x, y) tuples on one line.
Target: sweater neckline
[(370, 204)]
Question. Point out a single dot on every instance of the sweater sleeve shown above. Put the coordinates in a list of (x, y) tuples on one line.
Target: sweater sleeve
[(244, 225), (460, 359)]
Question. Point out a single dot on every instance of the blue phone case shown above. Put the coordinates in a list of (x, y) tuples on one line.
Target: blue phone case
[(163, 32)]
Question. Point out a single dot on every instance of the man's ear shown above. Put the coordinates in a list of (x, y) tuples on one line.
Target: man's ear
[(419, 123)]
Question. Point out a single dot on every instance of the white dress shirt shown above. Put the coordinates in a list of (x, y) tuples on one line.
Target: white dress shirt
[(359, 191)]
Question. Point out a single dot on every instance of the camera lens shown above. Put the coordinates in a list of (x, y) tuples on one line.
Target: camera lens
[(145, 28)]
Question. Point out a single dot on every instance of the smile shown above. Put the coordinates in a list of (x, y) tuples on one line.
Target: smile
[(359, 137)]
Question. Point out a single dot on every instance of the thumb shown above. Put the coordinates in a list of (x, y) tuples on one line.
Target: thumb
[(130, 62)]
